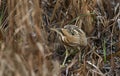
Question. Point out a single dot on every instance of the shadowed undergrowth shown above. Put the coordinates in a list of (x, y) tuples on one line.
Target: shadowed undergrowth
[(29, 48)]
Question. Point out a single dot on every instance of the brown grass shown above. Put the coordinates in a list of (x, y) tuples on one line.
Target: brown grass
[(29, 48)]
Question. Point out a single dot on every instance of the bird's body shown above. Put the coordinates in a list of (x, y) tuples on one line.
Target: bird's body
[(72, 37)]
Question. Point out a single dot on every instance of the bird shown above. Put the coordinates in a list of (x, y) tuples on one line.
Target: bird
[(72, 37)]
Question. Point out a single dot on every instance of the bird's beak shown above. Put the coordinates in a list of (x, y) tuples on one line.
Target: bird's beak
[(54, 29), (57, 30)]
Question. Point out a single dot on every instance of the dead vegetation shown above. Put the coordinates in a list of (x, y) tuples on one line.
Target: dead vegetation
[(29, 48)]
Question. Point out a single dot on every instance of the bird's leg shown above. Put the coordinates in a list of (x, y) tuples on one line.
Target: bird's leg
[(66, 56), (80, 55)]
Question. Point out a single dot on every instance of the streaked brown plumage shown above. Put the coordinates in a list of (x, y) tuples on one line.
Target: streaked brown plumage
[(72, 37)]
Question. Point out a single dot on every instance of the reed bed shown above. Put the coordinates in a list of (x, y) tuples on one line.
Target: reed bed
[(29, 48)]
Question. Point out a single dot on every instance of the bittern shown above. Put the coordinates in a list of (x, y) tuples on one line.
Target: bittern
[(71, 36)]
